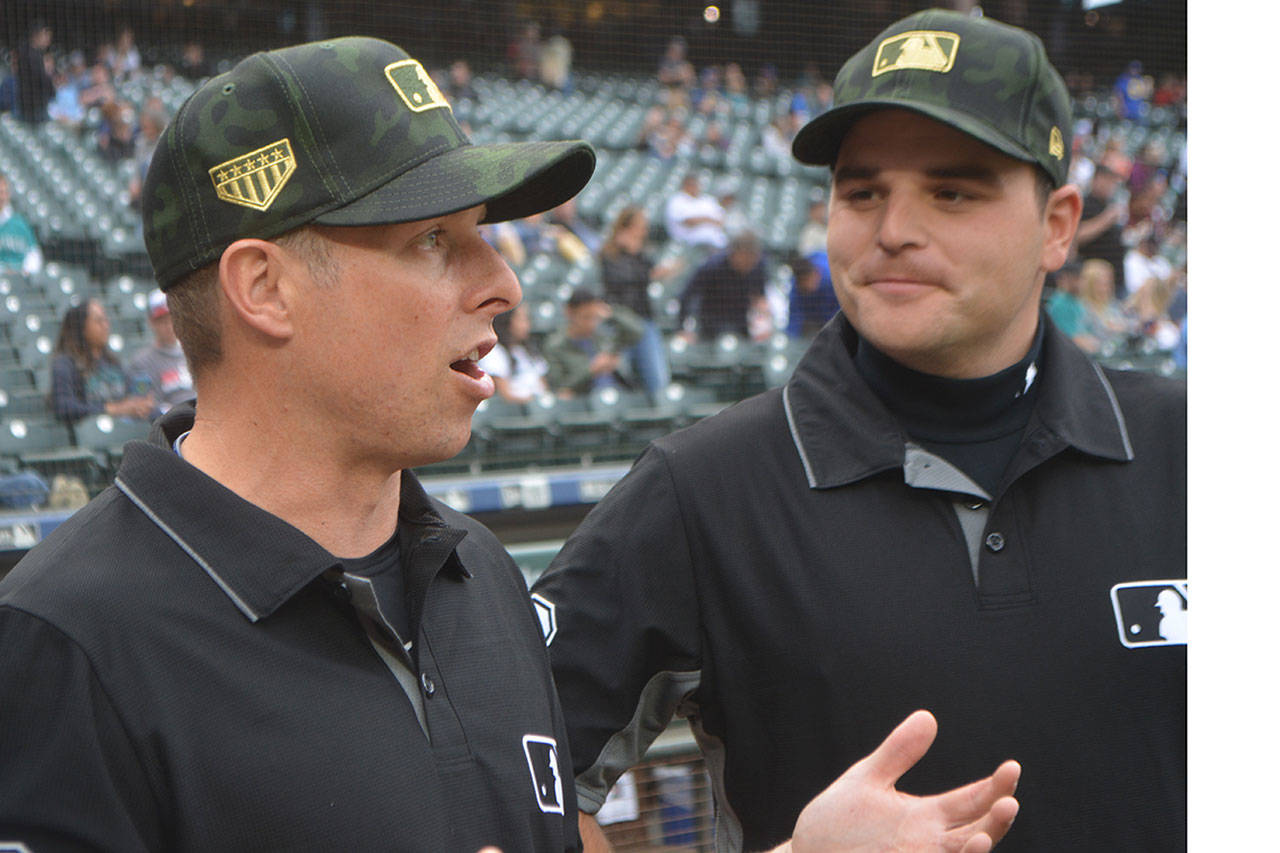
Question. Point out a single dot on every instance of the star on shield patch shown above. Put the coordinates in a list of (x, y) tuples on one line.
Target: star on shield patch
[(255, 179)]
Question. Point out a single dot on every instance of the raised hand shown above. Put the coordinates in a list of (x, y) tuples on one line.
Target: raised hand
[(863, 811)]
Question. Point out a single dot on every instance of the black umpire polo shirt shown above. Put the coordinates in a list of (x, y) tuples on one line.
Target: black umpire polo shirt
[(183, 671), (796, 575)]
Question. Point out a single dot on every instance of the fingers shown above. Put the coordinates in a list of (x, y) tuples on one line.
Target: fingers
[(899, 752), (1000, 818), (968, 803), (977, 844), (990, 828)]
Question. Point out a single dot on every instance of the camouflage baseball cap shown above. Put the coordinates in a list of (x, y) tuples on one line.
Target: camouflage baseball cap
[(987, 79), (350, 131)]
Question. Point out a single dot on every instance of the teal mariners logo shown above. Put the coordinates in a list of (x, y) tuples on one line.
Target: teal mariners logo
[(255, 179), (923, 50), (414, 85)]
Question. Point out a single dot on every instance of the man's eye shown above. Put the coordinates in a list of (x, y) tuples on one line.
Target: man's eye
[(430, 240)]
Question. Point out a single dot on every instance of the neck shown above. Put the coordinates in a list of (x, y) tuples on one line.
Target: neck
[(936, 406), (281, 462)]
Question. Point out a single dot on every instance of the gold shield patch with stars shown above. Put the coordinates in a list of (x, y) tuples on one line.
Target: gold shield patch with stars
[(925, 50), (255, 179), (414, 86)]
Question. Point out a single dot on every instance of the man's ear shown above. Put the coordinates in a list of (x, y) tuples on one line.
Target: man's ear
[(253, 277), (1062, 217)]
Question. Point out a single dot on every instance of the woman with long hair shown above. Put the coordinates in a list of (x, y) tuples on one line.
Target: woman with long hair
[(519, 371), (626, 270), (87, 378)]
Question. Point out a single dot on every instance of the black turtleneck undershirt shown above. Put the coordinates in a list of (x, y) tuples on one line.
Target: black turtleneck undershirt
[(975, 424)]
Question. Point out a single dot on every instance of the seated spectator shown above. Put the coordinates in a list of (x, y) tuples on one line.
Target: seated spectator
[(813, 297), (1148, 312), (117, 132), (735, 216), (670, 138), (587, 353), (674, 69), (193, 65), (626, 270), (1133, 91), (695, 218), (100, 90), (1066, 309), (714, 140), (65, 108), (162, 362), (150, 125), (725, 290), (537, 237), (566, 217), (555, 64), (735, 89), (1144, 262), (87, 379), (705, 97), (122, 57), (813, 234), (504, 237), (518, 369), (1102, 220), (1096, 322), (777, 136), (524, 50), (459, 87), (19, 249)]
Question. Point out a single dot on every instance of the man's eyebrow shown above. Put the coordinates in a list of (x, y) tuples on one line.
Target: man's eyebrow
[(854, 173), (967, 172)]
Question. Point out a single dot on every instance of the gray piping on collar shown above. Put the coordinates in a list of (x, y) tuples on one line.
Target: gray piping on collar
[(200, 561), (795, 436), (1115, 407)]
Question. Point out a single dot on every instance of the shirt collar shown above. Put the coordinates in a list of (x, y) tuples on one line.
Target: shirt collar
[(257, 559), (843, 432)]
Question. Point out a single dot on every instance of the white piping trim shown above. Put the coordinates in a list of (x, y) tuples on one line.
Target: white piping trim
[(1115, 407), (795, 437), (244, 608)]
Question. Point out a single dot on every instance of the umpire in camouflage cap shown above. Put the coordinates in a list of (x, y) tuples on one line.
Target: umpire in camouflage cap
[(937, 255), (267, 634)]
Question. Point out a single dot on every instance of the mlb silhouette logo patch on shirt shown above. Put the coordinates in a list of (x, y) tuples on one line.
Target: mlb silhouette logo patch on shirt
[(544, 766), (1151, 613)]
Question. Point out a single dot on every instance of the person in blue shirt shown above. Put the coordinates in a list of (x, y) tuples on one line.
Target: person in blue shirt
[(813, 299)]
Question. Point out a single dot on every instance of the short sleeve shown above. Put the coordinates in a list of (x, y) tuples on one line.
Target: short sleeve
[(626, 652)]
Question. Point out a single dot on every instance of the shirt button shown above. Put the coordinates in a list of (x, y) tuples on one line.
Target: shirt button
[(995, 542), (976, 505), (428, 686)]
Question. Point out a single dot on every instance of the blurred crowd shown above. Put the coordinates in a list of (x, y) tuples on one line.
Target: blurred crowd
[(1124, 292)]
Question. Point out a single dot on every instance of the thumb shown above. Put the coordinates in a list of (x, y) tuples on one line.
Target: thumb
[(899, 752)]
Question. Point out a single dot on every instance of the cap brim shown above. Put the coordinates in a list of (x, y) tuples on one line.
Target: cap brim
[(512, 179), (818, 142)]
